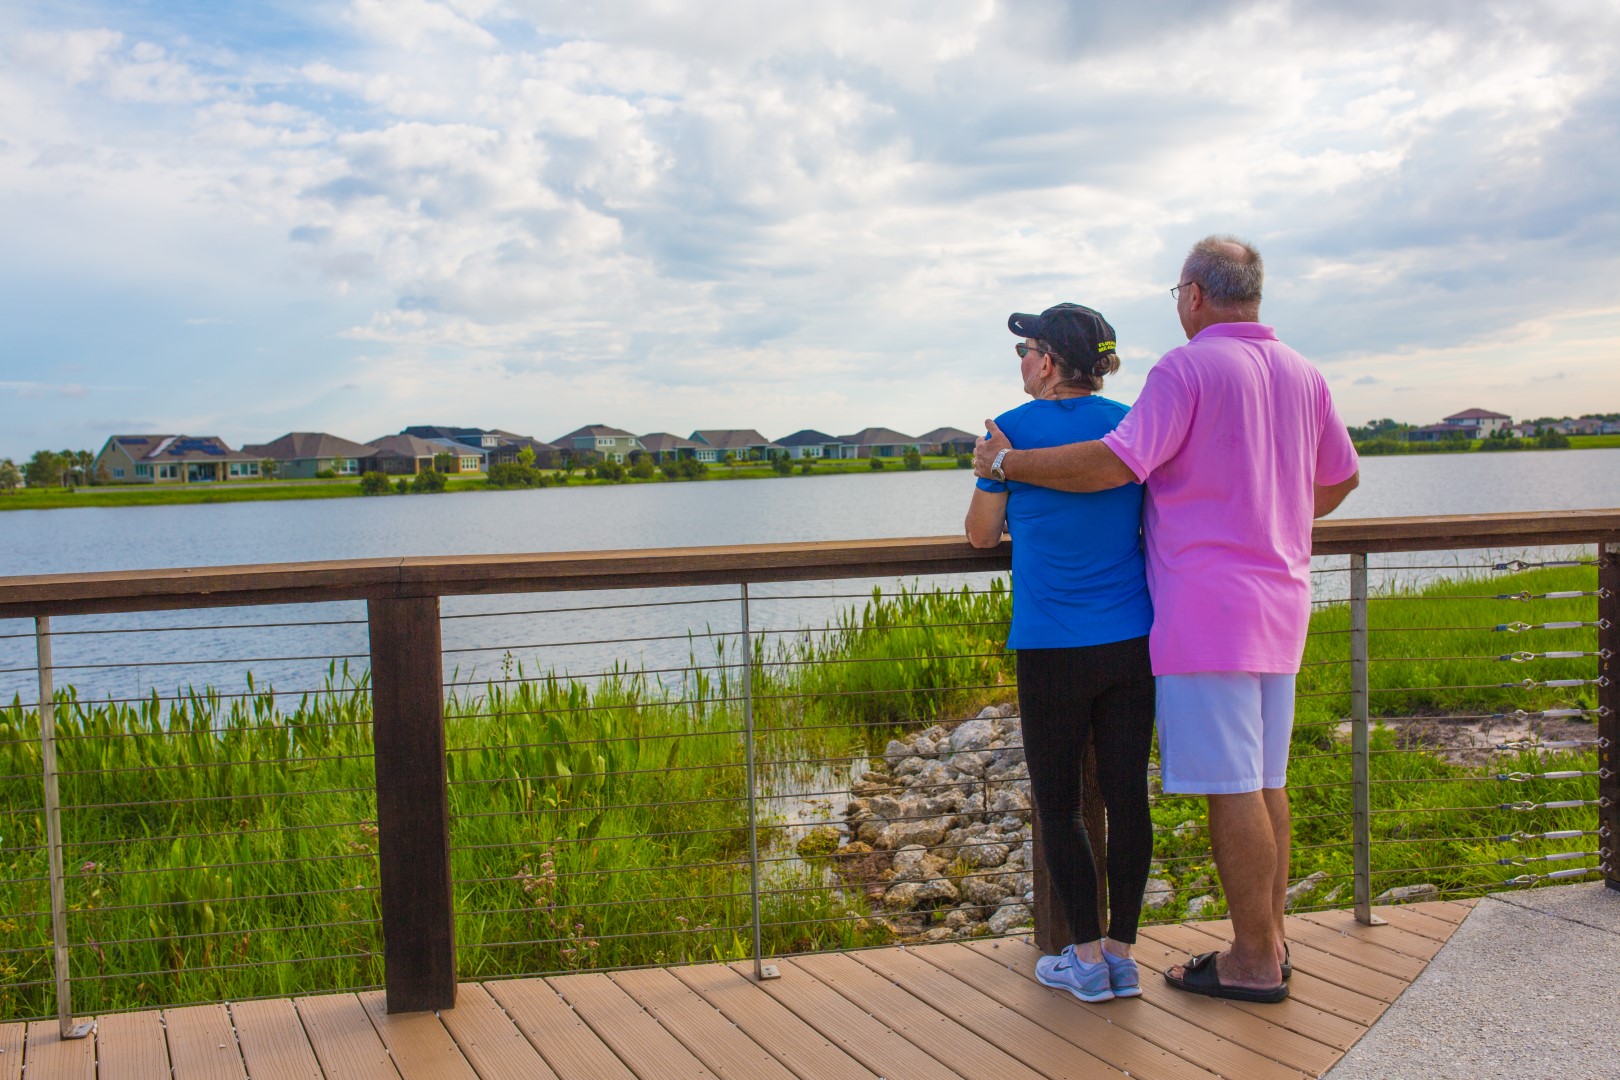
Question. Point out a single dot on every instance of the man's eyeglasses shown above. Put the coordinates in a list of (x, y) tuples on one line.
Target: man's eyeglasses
[(1024, 348), (1175, 293)]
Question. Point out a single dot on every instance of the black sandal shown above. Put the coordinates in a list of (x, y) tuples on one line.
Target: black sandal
[(1287, 968), (1199, 977)]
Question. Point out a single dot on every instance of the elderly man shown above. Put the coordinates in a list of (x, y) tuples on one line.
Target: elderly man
[(1239, 446)]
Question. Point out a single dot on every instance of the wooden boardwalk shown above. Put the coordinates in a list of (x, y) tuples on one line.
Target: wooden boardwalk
[(953, 1010)]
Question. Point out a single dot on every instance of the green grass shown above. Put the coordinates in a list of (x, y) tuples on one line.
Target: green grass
[(603, 826)]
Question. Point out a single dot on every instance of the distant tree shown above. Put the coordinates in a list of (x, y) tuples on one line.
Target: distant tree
[(401, 486), (913, 458), (670, 469), (10, 476), (374, 483), (444, 462), (964, 461), (1552, 440), (643, 469), (609, 470), (44, 469), (782, 466), (693, 469), (807, 466), (268, 467), (525, 457), (429, 481), (874, 463)]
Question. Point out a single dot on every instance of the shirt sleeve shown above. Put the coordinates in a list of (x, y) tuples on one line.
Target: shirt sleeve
[(1336, 459), (1007, 422), (1156, 427)]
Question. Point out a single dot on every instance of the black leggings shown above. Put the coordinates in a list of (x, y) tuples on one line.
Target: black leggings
[(1105, 693)]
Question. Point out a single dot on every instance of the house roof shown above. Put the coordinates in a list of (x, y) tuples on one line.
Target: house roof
[(1478, 414), (731, 438), (807, 437), (946, 434), (455, 446), (594, 431), (877, 436), (402, 446), (438, 431), (308, 444), (173, 448), (1438, 429), (662, 442)]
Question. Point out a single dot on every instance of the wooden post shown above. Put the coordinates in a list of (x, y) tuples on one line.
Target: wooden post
[(413, 806), (1608, 697), (1052, 932)]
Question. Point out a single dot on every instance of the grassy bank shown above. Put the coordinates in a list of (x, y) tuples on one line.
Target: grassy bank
[(603, 825), (278, 491), (1397, 447)]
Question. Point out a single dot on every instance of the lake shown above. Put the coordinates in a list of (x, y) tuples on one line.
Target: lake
[(100, 654)]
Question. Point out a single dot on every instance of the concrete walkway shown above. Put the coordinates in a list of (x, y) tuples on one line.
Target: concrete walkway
[(1528, 986)]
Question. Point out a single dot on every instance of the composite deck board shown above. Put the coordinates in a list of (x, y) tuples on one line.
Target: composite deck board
[(421, 1047), (1297, 1014), (1065, 1016), (1049, 1054), (131, 1046), (49, 1055), (800, 1048), (915, 1018), (202, 1044), (1158, 1015), (968, 1010), (862, 1037), (344, 1039), (629, 1030), (1266, 1028), (273, 1041), (489, 1039), (567, 1043), (1389, 936), (717, 1042), (12, 1039)]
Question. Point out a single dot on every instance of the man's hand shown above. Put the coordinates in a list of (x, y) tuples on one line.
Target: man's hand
[(986, 449)]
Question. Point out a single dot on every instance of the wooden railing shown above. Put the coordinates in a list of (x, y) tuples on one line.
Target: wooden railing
[(407, 684)]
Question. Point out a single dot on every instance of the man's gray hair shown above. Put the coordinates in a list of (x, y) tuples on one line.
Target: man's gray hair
[(1228, 278)]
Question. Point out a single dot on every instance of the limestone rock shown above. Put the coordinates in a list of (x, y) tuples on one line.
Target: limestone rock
[(1159, 893), (1299, 889), (1197, 905), (820, 842), (1010, 917), (1410, 894)]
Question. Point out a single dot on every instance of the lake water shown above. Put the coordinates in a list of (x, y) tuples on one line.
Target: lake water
[(128, 655)]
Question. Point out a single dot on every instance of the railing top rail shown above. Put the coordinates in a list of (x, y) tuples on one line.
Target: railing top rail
[(448, 575)]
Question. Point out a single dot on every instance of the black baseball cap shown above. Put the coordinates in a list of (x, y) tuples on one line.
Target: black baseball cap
[(1078, 333)]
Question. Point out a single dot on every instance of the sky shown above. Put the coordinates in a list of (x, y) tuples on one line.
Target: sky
[(251, 218)]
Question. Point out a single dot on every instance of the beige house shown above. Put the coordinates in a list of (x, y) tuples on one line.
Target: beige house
[(398, 455), (743, 444), (174, 459)]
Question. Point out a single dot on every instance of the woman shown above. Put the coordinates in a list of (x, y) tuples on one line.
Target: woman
[(1080, 620)]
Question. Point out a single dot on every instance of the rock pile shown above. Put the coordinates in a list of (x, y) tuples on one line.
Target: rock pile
[(940, 837)]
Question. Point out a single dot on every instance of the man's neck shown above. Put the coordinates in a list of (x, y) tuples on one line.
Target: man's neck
[(1226, 315)]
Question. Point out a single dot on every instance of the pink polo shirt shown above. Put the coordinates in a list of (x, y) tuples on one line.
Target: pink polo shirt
[(1230, 435)]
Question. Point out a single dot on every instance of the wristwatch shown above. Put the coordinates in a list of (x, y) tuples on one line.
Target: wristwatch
[(995, 466)]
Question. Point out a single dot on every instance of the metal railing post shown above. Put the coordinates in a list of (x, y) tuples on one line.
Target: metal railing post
[(1360, 764), (762, 970), (53, 833), (1608, 699)]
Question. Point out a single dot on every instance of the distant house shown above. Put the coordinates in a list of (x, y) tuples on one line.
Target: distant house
[(947, 440), (301, 455), (606, 443), (506, 450), (661, 446), (1479, 423), (743, 444), (809, 443), (879, 442), (463, 458), (399, 455), (173, 459), (1587, 425)]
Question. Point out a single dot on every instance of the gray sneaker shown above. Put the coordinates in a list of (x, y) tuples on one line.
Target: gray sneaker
[(1065, 971), (1122, 975)]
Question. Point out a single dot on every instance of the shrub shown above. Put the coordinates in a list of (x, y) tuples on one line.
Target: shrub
[(913, 458), (964, 461), (781, 466), (514, 475), (325, 474), (429, 481), (400, 486), (373, 483), (670, 469), (807, 466), (609, 470), (643, 470), (874, 463), (1552, 440), (693, 469)]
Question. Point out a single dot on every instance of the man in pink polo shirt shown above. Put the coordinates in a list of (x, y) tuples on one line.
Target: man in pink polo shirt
[(1236, 438)]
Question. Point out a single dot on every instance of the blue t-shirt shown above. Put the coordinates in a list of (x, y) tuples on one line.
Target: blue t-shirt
[(1078, 574)]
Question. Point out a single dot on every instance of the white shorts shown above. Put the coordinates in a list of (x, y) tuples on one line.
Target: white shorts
[(1222, 732)]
